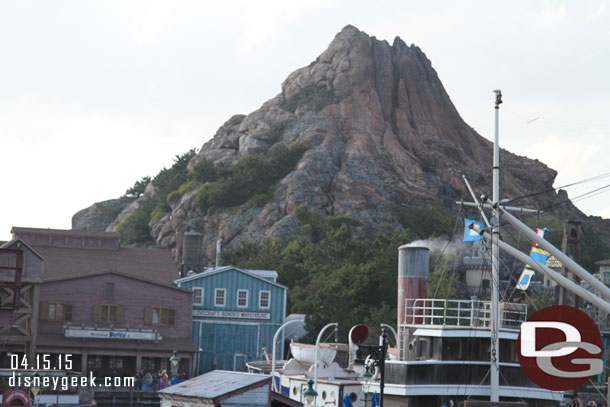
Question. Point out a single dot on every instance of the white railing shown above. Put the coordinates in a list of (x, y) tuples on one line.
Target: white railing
[(460, 313)]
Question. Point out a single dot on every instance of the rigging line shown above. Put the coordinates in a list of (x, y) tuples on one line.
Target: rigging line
[(577, 198), (474, 330), (513, 390), (597, 177), (526, 294), (457, 221), (598, 391), (592, 195)]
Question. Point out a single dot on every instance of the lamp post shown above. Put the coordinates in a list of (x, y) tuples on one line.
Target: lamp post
[(174, 363), (315, 366), (35, 389), (275, 337), (366, 377), (310, 394)]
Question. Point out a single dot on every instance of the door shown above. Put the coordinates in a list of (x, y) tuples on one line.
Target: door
[(220, 343)]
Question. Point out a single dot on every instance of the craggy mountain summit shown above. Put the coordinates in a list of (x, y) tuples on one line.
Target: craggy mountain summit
[(381, 133)]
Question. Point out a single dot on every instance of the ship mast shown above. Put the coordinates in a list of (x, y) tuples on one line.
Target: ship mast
[(494, 375)]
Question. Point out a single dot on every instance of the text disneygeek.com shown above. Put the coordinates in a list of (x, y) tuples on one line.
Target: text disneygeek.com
[(66, 382)]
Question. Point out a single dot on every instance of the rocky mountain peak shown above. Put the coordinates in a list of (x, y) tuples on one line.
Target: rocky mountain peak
[(380, 134)]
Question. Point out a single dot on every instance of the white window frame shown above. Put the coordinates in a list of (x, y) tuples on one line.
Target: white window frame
[(200, 289), (260, 298), (247, 295), (224, 297)]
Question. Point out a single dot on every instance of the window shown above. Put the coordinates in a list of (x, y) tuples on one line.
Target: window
[(197, 296), (220, 295), (242, 298), (607, 277), (148, 365), (116, 363), (108, 313), (56, 311), (94, 362), (264, 299), (159, 316), (109, 290)]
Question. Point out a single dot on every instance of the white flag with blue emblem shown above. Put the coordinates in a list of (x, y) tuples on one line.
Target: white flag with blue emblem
[(469, 234)]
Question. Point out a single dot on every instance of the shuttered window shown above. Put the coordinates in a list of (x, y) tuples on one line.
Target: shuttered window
[(55, 311), (108, 313), (159, 316)]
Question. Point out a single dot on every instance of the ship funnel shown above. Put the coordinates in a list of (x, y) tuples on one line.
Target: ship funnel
[(413, 265)]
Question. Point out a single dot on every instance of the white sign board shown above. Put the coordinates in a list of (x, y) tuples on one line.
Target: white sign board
[(103, 334), (231, 314)]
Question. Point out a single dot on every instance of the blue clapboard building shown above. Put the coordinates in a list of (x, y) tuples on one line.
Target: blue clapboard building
[(235, 314)]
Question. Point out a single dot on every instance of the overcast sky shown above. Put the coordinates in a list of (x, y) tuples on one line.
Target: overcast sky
[(96, 94)]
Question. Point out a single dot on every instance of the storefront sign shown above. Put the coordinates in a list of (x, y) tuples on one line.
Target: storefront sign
[(231, 314), (103, 334)]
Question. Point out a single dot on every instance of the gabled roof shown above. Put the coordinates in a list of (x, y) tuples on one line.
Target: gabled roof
[(24, 243), (217, 385), (258, 274)]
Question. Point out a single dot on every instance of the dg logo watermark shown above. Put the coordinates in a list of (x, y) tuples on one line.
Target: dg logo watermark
[(560, 348)]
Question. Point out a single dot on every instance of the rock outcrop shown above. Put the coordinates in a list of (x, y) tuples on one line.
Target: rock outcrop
[(381, 134)]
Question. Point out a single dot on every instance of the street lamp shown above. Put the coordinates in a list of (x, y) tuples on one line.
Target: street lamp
[(315, 366), (275, 338), (174, 362), (310, 394), (35, 389), (366, 377)]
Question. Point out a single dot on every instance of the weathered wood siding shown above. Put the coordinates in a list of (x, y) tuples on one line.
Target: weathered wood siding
[(133, 295)]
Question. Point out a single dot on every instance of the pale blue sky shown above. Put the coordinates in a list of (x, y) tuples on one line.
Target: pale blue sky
[(96, 94)]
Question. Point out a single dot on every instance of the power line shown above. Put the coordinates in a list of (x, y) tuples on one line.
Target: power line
[(595, 178)]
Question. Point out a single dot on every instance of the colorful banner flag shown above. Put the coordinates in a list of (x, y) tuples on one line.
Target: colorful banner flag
[(539, 255), (469, 234), (525, 279)]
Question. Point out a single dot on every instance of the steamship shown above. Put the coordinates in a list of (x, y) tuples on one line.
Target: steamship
[(444, 347)]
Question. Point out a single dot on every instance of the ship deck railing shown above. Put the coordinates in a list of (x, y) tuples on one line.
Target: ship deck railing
[(472, 313)]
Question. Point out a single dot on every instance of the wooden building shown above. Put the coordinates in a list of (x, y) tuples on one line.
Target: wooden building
[(235, 314), (112, 309)]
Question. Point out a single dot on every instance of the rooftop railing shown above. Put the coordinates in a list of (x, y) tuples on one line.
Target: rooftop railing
[(461, 313)]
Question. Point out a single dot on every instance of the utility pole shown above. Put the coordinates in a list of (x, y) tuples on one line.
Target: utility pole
[(494, 375)]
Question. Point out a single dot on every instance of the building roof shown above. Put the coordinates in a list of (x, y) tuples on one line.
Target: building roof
[(155, 265), (603, 262), (15, 242), (260, 274), (15, 230), (218, 384)]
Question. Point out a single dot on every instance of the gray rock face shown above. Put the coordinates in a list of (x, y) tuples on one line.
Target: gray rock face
[(381, 133), (100, 215)]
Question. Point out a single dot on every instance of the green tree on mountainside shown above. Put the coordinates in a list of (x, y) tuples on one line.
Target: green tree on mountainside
[(333, 275)]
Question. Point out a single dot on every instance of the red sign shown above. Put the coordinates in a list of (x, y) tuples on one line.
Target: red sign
[(560, 348), (15, 398)]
